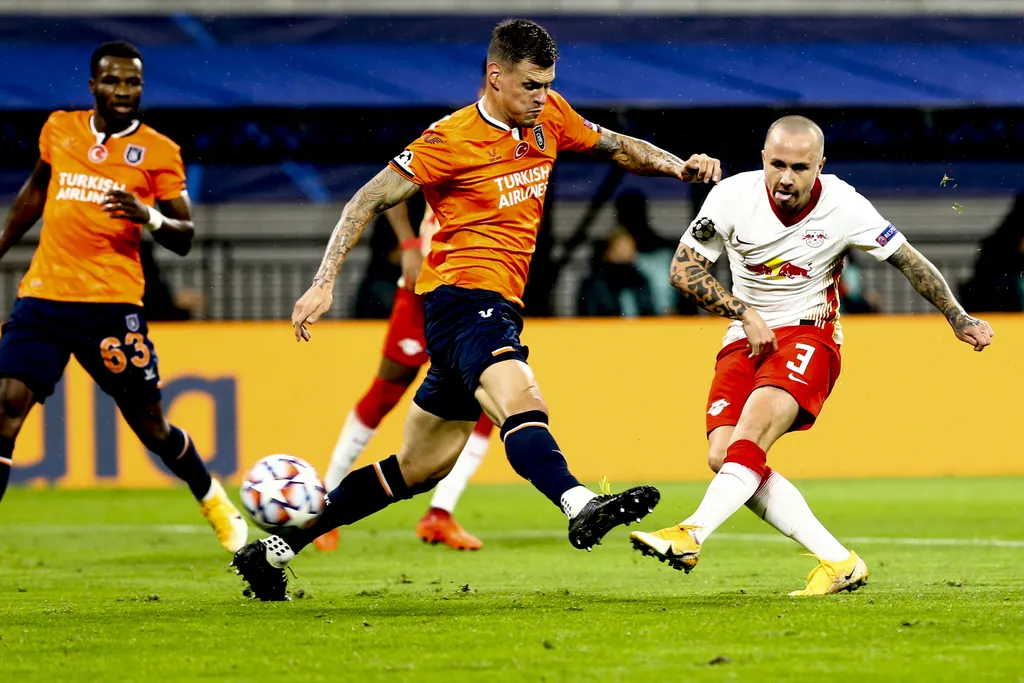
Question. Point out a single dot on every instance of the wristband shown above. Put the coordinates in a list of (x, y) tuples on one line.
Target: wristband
[(156, 219), (411, 243)]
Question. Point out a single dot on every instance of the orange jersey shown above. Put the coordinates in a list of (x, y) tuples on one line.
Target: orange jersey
[(486, 184), (83, 254)]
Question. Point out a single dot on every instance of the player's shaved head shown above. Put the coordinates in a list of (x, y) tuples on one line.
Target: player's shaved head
[(793, 155), (517, 40), (797, 125)]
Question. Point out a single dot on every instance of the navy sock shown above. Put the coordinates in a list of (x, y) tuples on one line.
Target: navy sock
[(181, 457), (534, 455), (6, 450), (360, 494)]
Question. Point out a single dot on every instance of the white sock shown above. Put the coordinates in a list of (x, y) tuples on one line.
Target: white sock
[(354, 437), (575, 499), (211, 491), (449, 489), (728, 491), (780, 504)]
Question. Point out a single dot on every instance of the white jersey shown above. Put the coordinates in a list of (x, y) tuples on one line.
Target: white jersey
[(788, 274)]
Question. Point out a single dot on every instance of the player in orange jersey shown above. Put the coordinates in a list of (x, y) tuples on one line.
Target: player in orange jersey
[(484, 170), (405, 351), (102, 178)]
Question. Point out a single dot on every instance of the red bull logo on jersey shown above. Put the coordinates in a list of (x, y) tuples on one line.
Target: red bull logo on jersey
[(814, 237), (777, 269), (793, 271)]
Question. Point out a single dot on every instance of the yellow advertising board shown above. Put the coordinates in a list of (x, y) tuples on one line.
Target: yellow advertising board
[(627, 400)]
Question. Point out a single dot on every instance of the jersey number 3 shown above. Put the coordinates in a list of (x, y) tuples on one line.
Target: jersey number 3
[(800, 367), (116, 360)]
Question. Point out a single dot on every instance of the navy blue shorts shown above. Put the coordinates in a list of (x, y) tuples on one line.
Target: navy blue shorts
[(109, 340), (467, 331)]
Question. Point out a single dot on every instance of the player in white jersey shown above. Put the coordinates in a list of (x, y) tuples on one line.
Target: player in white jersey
[(785, 230)]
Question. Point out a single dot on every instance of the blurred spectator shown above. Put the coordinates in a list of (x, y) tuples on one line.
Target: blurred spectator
[(998, 282), (854, 297), (158, 301), (654, 252), (615, 286), (376, 295)]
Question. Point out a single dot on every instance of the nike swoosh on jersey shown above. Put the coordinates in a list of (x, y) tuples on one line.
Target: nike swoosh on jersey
[(797, 379)]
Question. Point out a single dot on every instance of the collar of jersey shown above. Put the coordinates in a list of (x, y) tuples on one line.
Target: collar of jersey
[(101, 137), (493, 121)]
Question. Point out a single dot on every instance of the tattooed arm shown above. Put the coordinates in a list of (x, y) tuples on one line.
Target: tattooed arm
[(691, 275), (387, 189), (643, 158), (930, 284)]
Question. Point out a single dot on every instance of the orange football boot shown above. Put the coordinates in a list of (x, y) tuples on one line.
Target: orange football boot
[(328, 542), (438, 526)]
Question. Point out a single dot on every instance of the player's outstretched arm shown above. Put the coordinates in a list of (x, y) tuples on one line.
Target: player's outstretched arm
[(691, 275), (387, 189), (930, 284), (27, 208), (643, 158)]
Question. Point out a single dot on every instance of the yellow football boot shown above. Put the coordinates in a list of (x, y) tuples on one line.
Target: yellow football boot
[(675, 545), (224, 517), (835, 577)]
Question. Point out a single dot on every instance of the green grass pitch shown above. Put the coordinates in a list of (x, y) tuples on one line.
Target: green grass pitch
[(129, 586)]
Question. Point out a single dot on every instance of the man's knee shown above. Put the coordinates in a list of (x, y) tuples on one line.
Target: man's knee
[(507, 389), (16, 400), (148, 422), (718, 447), (716, 457), (430, 447)]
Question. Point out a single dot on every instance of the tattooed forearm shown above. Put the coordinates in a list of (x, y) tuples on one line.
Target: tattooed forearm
[(691, 275), (637, 156), (387, 189), (927, 280)]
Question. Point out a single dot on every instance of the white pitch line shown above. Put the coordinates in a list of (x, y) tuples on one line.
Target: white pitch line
[(519, 534)]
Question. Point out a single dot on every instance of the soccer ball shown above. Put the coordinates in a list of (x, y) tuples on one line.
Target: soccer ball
[(282, 491)]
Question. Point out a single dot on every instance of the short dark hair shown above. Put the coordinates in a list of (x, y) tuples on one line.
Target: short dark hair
[(517, 40), (115, 48)]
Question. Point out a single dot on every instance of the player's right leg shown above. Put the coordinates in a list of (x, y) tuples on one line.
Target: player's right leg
[(430, 447), (16, 401), (33, 354), (767, 414), (403, 354), (734, 380)]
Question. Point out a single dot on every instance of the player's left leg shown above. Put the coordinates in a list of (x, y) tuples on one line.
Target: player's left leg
[(177, 451), (114, 348), (438, 525), (509, 394)]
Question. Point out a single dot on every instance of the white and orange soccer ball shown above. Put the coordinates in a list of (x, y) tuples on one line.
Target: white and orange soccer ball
[(282, 491)]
